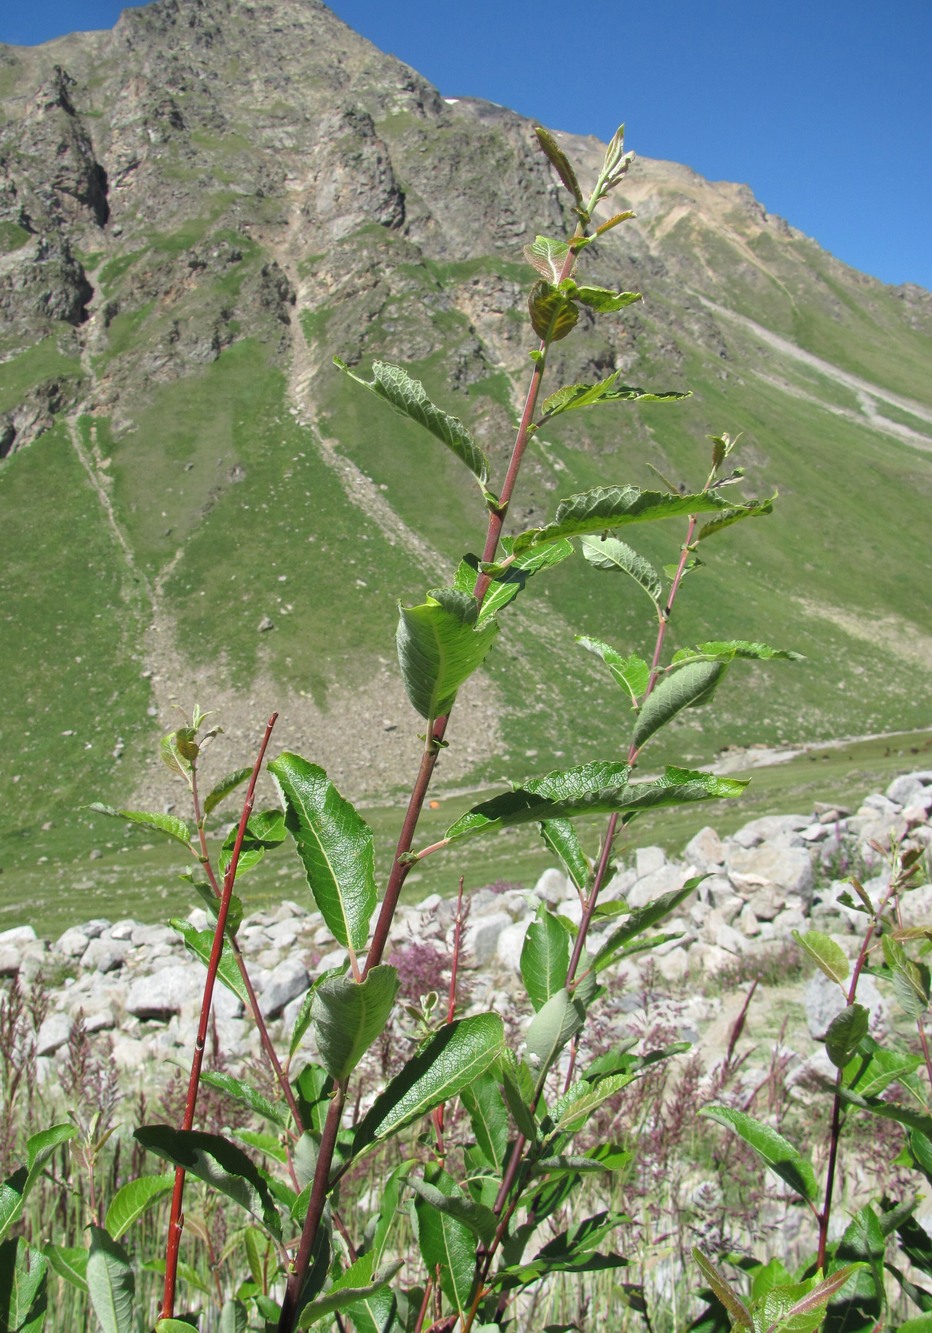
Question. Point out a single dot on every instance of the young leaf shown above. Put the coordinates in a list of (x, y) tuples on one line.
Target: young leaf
[(218, 1162), (553, 315), (560, 836), (111, 1283), (439, 648), (609, 507), (223, 789), (408, 397), (689, 687), (559, 161), (545, 957), (805, 1314), (845, 1033), (334, 844), (613, 222), (631, 673), (547, 257), (724, 1291), (132, 1200), (452, 1059), (156, 823), (773, 1149), (610, 553), (348, 1016), (825, 952)]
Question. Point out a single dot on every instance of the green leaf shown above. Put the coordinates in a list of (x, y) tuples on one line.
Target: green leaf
[(452, 1059), (734, 514), (641, 919), (481, 1221), (223, 789), (175, 1325), (580, 792), (827, 953), (910, 980), (111, 1283), (571, 1111), (613, 221), (560, 163), (201, 943), (573, 396), (264, 829), (723, 1290), (218, 1162), (545, 957), (39, 1148), (334, 844), (513, 578), (553, 315), (168, 824), (22, 1287), (356, 1283), (518, 1089), (69, 1263), (608, 507), (688, 687), (610, 553), (845, 1033), (773, 1149), (132, 1200), (488, 1117), (605, 301), (439, 648), (247, 1096), (805, 1313), (882, 1068), (446, 1243), (631, 673), (560, 836), (726, 650), (408, 396), (903, 1115), (547, 256), (234, 1317), (348, 1015), (560, 1018)]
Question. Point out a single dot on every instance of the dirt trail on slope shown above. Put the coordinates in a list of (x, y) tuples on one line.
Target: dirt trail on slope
[(868, 394)]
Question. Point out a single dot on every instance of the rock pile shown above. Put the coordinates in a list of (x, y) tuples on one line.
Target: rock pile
[(138, 992)]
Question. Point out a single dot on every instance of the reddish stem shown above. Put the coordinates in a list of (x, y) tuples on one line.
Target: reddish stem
[(176, 1217)]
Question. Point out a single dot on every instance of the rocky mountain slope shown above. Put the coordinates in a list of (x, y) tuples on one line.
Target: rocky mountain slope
[(197, 211)]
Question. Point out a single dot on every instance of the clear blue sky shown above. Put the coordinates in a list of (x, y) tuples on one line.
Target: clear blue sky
[(821, 106)]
